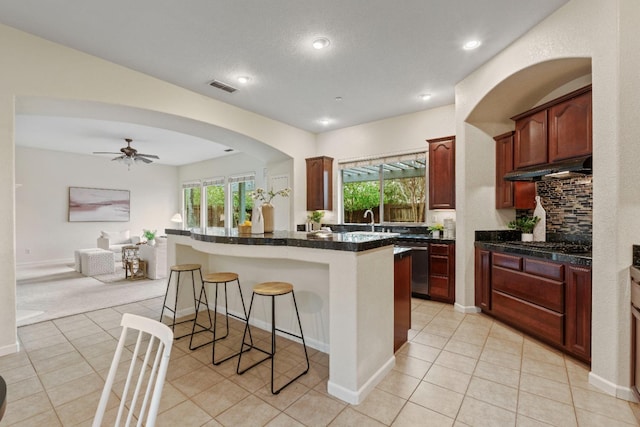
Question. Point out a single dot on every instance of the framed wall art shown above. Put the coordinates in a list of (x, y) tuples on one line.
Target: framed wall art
[(98, 205)]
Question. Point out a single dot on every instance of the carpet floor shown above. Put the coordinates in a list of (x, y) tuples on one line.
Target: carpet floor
[(54, 291)]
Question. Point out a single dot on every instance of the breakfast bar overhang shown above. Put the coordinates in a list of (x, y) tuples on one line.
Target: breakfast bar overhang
[(345, 283)]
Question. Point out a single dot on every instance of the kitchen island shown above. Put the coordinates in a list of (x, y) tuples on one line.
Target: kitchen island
[(344, 285)]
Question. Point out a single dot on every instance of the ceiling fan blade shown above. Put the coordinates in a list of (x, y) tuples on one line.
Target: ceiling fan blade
[(136, 158), (104, 152), (151, 156)]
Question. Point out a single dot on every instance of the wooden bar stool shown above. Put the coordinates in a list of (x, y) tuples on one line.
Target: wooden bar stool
[(179, 269), (272, 289), (221, 278)]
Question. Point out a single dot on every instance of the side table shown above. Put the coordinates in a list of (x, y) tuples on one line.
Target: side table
[(135, 269), (129, 253)]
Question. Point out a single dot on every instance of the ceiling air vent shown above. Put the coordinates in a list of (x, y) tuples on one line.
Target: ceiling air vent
[(223, 86)]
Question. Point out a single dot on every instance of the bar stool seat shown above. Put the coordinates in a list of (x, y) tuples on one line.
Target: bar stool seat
[(272, 289), (179, 269), (220, 278)]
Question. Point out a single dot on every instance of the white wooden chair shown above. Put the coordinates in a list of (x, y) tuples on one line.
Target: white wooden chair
[(160, 339)]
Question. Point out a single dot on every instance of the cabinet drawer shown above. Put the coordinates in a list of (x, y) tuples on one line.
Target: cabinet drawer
[(536, 290), (439, 249), (539, 321), (545, 269), (439, 265), (439, 287), (511, 262)]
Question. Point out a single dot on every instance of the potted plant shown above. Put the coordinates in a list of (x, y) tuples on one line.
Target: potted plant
[(315, 218), (435, 230), (526, 225), (150, 236)]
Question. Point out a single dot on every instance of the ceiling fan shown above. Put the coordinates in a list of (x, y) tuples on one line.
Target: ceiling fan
[(130, 155)]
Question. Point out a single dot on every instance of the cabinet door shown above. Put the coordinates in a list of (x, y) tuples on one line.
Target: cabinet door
[(530, 140), (442, 272), (402, 300), (570, 128), (442, 173), (578, 312), (483, 279), (319, 183), (504, 164)]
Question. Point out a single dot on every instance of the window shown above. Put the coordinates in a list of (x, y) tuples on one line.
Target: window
[(393, 187), (241, 201), (214, 196), (191, 193)]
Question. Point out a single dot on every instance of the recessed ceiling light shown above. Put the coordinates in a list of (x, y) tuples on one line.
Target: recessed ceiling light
[(321, 43), (338, 98), (324, 122), (471, 44), (425, 96), (244, 79)]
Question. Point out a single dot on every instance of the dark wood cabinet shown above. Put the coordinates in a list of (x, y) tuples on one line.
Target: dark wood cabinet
[(570, 128), (320, 183), (554, 131), (483, 279), (549, 300), (442, 173), (504, 164), (530, 140), (578, 312), (402, 299), (442, 272)]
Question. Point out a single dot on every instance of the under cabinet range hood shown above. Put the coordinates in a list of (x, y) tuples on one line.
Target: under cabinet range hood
[(561, 169)]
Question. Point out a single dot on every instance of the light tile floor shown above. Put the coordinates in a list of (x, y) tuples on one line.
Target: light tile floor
[(456, 370)]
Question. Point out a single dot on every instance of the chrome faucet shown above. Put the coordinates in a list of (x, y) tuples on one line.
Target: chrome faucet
[(369, 211)]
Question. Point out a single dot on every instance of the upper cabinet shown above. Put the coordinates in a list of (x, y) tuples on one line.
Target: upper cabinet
[(504, 164), (442, 173), (557, 130), (320, 183)]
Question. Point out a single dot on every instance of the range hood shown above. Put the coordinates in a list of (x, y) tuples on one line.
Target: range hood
[(571, 167)]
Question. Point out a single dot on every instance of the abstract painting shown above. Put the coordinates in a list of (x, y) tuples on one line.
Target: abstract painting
[(98, 204)]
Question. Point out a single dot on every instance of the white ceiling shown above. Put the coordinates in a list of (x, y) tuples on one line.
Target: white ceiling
[(383, 53)]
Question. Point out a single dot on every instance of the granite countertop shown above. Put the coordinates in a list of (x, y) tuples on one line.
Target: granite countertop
[(352, 242), (583, 259)]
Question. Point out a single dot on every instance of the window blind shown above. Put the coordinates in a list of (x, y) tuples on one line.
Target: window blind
[(213, 181), (251, 176), (379, 160)]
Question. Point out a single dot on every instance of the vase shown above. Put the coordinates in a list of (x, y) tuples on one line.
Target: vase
[(435, 234), (267, 215), (527, 237), (151, 242)]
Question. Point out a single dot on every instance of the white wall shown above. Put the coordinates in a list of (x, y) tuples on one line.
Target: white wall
[(42, 200)]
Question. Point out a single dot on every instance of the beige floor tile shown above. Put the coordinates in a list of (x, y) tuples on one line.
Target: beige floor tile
[(493, 393), (477, 413), (538, 351), (496, 373), (606, 405), (15, 360), (399, 384), (420, 351), (283, 420), (81, 332), (590, 419), (68, 373), (86, 341), (381, 406), (48, 419), (74, 389), (522, 421), (411, 366), (463, 348), (197, 381), (456, 361), (438, 399), (220, 397), (501, 358), (43, 342), (38, 331), (546, 370), (24, 388), (413, 415), (546, 388), (504, 332), (420, 320), (181, 366), (440, 328), (286, 397), (18, 374), (60, 361), (349, 417), (171, 397), (186, 413), (504, 345), (315, 409), (430, 339), (251, 411), (26, 408), (470, 336), (448, 378), (83, 408), (52, 351), (546, 410)]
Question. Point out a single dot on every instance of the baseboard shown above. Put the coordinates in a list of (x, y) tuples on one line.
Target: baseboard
[(466, 308), (613, 389), (355, 397), (9, 349)]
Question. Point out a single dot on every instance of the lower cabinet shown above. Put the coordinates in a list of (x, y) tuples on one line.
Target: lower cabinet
[(442, 272), (549, 300), (402, 298)]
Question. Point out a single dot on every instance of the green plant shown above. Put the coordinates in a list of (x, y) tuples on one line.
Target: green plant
[(436, 227), (524, 224), (149, 235), (315, 216)]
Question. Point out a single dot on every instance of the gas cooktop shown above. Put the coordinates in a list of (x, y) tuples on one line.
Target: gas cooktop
[(563, 247)]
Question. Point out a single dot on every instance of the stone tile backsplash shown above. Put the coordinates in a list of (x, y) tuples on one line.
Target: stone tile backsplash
[(568, 203)]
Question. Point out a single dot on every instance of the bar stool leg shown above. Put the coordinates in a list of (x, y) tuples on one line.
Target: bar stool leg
[(198, 302), (215, 319)]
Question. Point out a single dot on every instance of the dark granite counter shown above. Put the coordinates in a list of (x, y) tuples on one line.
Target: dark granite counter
[(543, 253), (636, 256), (346, 241)]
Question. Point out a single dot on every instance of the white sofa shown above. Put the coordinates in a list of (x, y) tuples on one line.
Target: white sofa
[(115, 240)]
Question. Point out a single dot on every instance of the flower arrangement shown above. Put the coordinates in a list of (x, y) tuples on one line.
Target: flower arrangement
[(315, 216), (525, 224), (267, 196), (436, 227), (149, 235)]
